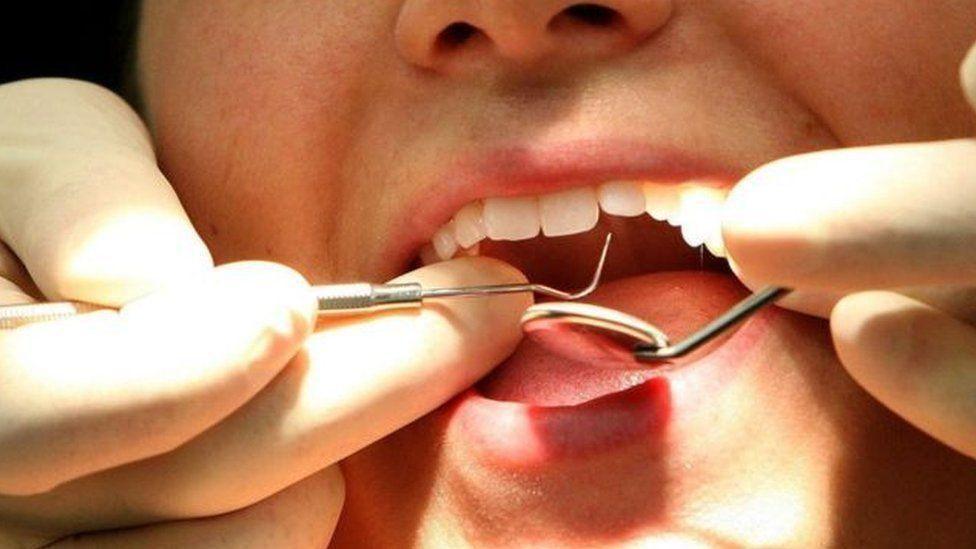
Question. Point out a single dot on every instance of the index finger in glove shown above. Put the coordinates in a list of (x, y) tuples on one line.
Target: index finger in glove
[(877, 217), (82, 202), (838, 221)]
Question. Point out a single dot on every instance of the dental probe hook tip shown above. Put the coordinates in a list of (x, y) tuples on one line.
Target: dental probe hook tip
[(481, 291)]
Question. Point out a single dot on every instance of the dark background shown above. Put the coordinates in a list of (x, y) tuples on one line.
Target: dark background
[(87, 39)]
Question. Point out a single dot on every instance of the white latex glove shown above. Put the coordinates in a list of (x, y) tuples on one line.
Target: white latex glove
[(209, 398), (882, 241)]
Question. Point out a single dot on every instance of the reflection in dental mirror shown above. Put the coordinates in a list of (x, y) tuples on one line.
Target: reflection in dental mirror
[(590, 333)]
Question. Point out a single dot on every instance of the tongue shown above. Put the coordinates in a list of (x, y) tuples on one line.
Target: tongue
[(676, 302)]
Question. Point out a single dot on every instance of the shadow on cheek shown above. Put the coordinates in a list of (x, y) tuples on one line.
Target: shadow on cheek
[(389, 485)]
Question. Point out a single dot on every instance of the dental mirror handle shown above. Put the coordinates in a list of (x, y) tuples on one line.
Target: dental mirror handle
[(741, 311)]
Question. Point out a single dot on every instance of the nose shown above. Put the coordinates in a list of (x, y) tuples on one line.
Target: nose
[(453, 34)]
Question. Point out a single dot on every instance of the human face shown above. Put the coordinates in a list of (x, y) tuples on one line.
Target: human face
[(337, 137)]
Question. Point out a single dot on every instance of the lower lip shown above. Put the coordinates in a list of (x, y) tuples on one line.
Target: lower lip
[(512, 423)]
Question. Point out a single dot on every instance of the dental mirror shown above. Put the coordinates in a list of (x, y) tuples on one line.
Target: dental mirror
[(580, 331), (598, 334)]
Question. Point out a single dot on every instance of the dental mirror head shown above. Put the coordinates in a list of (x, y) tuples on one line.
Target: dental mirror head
[(581, 331)]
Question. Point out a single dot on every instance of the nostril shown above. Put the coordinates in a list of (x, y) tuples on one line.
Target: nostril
[(456, 35), (591, 15)]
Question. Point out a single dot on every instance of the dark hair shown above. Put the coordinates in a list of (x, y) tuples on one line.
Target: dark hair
[(86, 40)]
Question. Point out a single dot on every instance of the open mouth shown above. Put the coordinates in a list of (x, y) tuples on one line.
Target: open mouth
[(666, 266), (546, 209)]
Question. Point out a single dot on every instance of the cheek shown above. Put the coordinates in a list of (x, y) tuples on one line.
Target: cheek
[(253, 105), (875, 70)]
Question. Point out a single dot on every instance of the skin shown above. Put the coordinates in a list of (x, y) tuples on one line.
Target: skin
[(292, 131)]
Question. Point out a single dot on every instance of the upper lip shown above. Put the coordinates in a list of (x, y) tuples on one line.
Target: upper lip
[(523, 169)]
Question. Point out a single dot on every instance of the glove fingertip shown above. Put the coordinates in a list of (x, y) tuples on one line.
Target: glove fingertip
[(968, 76)]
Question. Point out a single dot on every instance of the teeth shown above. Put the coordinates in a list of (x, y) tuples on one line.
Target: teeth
[(622, 198), (444, 243), (716, 246), (570, 212), (700, 216), (469, 225), (512, 218), (696, 208), (663, 201)]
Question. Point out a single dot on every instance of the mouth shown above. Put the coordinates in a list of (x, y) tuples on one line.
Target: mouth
[(666, 266)]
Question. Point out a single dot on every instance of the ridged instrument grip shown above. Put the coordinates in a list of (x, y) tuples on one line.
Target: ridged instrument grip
[(16, 316), (343, 299)]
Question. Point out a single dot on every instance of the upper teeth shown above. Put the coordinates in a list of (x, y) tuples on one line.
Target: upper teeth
[(693, 206), (569, 212)]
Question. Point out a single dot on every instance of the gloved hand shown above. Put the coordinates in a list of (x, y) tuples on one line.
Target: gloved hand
[(882, 241), (207, 396)]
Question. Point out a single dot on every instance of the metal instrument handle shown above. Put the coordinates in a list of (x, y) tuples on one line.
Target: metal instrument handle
[(346, 299)]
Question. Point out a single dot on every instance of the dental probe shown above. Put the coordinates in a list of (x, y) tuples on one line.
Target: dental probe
[(333, 299)]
